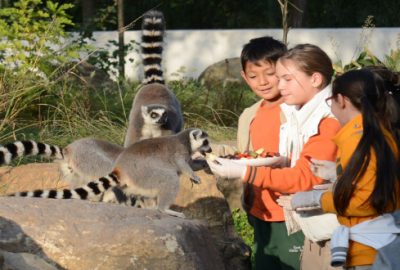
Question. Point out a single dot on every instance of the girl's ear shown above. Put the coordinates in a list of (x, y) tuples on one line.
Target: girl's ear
[(341, 101), (317, 80)]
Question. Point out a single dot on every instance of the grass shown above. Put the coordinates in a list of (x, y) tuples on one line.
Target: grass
[(244, 229), (67, 110)]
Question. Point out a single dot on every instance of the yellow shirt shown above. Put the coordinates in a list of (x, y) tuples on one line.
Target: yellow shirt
[(359, 208)]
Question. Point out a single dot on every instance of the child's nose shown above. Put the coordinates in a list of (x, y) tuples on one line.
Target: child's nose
[(263, 80)]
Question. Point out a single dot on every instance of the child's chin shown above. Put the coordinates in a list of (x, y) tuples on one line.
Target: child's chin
[(269, 97)]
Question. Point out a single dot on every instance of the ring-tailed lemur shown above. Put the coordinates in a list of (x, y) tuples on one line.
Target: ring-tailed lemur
[(149, 168), (155, 110), (80, 161)]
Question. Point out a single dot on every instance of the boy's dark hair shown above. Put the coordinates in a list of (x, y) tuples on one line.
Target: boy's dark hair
[(262, 49)]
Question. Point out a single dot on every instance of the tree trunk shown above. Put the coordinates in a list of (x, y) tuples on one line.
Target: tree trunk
[(121, 49), (4, 3), (297, 15), (285, 26), (88, 12)]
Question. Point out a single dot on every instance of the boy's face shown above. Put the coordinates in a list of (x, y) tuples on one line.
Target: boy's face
[(260, 77)]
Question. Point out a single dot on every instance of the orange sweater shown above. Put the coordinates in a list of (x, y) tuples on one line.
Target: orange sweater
[(300, 177), (264, 133), (359, 208)]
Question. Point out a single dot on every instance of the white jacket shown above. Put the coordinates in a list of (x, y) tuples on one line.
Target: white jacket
[(376, 233), (302, 124)]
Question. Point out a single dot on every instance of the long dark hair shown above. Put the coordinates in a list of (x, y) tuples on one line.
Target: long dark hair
[(368, 91)]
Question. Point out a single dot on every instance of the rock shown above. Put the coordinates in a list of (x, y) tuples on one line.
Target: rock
[(230, 189), (203, 202), (30, 177), (86, 235), (24, 261), (224, 72)]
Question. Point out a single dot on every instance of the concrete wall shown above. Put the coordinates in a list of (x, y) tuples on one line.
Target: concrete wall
[(188, 52)]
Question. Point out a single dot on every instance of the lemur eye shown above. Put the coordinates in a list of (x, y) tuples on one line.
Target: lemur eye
[(153, 115)]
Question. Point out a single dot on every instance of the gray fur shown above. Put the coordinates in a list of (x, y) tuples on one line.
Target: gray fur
[(149, 168), (87, 159), (81, 161), (154, 92)]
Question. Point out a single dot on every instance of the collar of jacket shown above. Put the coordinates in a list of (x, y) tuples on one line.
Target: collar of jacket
[(302, 123)]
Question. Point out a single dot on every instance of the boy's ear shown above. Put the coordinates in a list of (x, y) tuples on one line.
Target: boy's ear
[(243, 75), (317, 79)]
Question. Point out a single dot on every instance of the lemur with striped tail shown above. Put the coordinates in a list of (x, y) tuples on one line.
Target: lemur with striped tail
[(155, 110), (80, 161), (148, 168)]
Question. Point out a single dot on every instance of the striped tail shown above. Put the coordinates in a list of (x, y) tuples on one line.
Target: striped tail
[(152, 46), (90, 190), (10, 151)]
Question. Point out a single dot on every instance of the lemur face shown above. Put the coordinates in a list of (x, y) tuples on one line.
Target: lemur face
[(154, 114), (199, 141)]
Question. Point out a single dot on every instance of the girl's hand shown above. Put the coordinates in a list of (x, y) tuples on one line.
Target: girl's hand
[(226, 168), (308, 200), (324, 169)]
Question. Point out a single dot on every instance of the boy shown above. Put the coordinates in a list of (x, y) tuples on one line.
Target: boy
[(259, 127)]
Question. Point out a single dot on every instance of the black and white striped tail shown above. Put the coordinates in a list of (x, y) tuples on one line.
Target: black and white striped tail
[(152, 46), (90, 190), (10, 151)]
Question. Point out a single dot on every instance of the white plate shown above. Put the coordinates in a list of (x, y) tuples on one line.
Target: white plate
[(267, 161)]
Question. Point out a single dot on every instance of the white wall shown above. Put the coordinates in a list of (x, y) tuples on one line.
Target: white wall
[(188, 52)]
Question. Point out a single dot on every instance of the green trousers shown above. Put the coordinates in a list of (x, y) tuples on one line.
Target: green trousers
[(275, 250)]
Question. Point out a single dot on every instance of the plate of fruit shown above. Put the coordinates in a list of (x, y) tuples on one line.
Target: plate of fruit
[(259, 157)]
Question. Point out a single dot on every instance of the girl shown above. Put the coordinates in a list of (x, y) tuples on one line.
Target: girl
[(368, 184), (304, 74)]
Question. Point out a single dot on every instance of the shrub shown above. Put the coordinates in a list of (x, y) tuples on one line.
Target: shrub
[(33, 37)]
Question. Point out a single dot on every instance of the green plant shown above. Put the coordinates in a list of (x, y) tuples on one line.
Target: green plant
[(215, 103), (34, 37), (366, 58), (107, 58), (392, 60), (244, 229), (33, 50)]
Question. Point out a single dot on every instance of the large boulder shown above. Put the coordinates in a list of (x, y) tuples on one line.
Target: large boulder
[(224, 72), (63, 219), (30, 177), (88, 235)]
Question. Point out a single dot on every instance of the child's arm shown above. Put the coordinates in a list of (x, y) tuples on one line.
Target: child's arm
[(300, 177), (359, 204)]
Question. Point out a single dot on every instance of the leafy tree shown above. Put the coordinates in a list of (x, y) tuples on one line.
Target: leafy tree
[(34, 37)]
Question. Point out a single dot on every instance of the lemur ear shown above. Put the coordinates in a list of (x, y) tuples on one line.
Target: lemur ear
[(196, 133), (199, 134)]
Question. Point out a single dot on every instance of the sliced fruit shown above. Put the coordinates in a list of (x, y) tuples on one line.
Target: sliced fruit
[(259, 151)]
